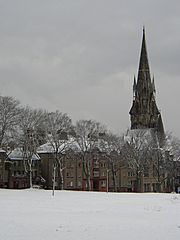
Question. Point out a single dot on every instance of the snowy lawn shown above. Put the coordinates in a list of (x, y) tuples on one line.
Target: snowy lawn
[(37, 215)]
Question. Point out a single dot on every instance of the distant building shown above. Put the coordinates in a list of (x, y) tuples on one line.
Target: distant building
[(18, 176), (3, 169), (72, 169)]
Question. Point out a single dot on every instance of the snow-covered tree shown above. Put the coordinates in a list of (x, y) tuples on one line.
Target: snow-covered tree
[(9, 117), (58, 129), (136, 152), (29, 125), (172, 158)]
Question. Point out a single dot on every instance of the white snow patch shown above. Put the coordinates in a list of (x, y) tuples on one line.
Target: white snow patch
[(37, 215)]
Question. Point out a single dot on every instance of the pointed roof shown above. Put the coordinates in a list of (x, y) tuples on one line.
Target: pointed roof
[(160, 129), (153, 85), (144, 112), (144, 63), (134, 85), (144, 77)]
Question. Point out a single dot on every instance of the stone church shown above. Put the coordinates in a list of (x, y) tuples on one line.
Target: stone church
[(144, 112)]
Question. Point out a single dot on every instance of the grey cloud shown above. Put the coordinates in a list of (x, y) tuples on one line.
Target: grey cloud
[(80, 56)]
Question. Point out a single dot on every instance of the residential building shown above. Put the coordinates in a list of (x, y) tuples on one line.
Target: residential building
[(3, 169), (19, 170)]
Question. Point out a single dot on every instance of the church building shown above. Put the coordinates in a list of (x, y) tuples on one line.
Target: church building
[(144, 112)]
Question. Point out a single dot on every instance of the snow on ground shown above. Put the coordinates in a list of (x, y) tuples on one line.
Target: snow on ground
[(37, 215)]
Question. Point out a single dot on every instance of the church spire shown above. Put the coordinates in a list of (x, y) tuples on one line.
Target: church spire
[(144, 112), (144, 85), (143, 63)]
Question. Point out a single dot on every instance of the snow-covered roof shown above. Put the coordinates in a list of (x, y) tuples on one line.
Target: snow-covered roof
[(45, 148), (50, 147), (17, 154), (2, 151), (145, 133), (71, 144)]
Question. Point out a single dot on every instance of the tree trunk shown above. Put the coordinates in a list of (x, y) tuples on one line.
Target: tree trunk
[(54, 179), (30, 175), (88, 176), (114, 177), (87, 173), (61, 178), (138, 184), (159, 187)]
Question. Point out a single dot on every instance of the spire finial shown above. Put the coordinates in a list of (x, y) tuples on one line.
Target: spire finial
[(153, 85), (134, 87), (134, 84), (143, 29)]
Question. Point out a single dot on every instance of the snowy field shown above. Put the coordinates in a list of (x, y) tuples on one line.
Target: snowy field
[(37, 215)]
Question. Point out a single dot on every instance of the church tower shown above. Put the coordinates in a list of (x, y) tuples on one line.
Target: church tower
[(144, 113)]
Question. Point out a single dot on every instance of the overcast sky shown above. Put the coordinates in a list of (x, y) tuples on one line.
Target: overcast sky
[(80, 56)]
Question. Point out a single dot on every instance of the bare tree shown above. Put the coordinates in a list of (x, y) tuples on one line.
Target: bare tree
[(110, 145), (87, 135), (158, 161), (58, 128), (172, 159), (136, 151), (31, 121), (9, 116)]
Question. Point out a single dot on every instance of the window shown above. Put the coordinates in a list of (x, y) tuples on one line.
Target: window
[(130, 183), (103, 164), (96, 174), (146, 173), (103, 183), (130, 174), (103, 174), (96, 164)]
